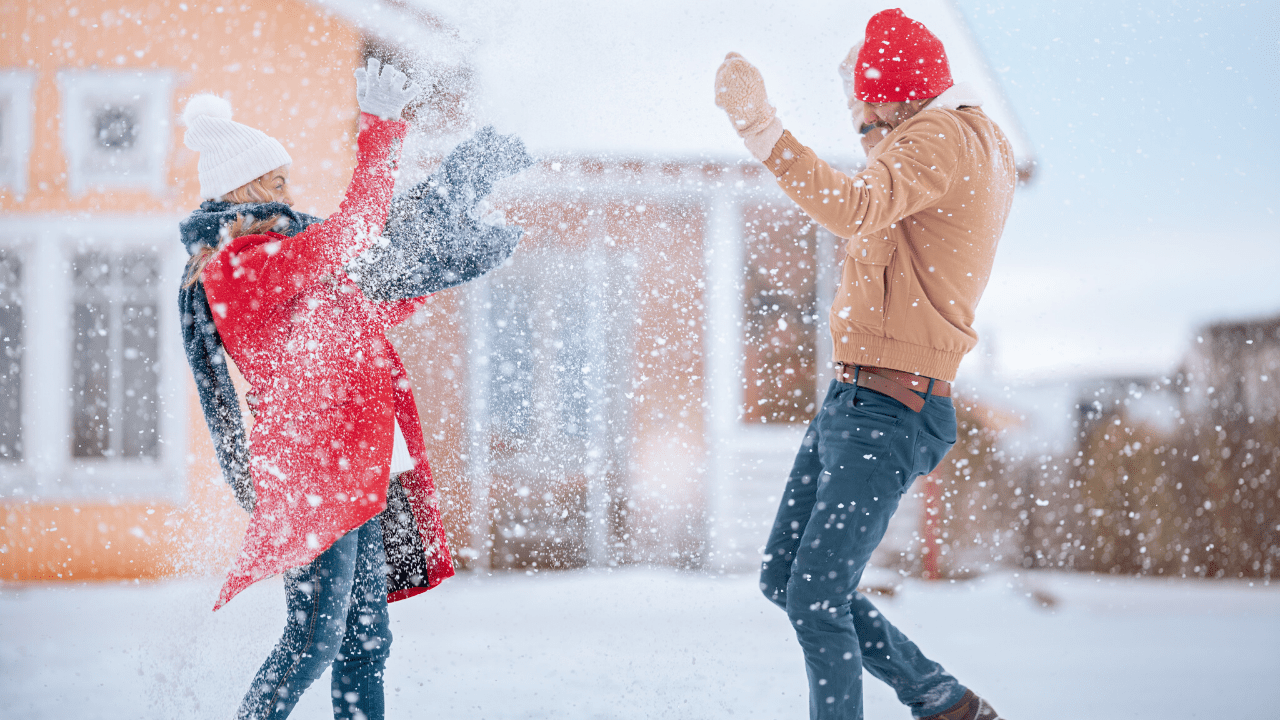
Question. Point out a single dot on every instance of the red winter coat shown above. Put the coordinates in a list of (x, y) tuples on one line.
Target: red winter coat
[(327, 385)]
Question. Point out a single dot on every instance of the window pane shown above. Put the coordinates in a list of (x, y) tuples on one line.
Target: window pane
[(91, 272), (116, 130), (90, 382), (779, 327), (511, 357), (140, 412), (115, 127), (139, 348), (11, 357), (115, 371), (140, 272)]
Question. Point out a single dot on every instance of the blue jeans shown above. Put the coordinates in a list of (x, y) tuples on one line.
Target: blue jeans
[(337, 616), (860, 454)]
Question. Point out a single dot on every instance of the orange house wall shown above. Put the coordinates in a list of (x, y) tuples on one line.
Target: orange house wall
[(433, 347), (286, 68), (669, 453)]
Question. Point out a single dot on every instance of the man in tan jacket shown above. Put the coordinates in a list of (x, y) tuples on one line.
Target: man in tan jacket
[(922, 223)]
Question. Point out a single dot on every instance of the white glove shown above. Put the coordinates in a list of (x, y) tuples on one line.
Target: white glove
[(381, 91)]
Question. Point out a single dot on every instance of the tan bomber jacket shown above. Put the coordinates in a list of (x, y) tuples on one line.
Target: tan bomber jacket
[(923, 221)]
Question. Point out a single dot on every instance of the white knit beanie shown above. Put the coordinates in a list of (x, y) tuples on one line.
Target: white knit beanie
[(231, 154)]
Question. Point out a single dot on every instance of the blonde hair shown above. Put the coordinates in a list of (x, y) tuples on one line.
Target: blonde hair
[(254, 191)]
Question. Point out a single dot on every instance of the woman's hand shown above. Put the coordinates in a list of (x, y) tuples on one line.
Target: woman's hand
[(381, 91)]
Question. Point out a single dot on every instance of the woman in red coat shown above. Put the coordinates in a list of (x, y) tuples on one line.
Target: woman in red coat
[(336, 438)]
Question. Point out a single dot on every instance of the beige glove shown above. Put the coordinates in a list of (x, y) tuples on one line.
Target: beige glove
[(740, 93)]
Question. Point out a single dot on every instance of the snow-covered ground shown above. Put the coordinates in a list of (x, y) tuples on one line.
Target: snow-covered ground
[(642, 643)]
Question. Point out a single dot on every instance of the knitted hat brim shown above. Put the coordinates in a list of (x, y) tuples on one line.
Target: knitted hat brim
[(249, 165)]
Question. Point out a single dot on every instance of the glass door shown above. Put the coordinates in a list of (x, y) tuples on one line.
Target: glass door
[(552, 367)]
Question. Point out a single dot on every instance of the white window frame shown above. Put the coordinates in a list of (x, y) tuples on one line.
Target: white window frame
[(48, 471), (151, 93), (16, 110)]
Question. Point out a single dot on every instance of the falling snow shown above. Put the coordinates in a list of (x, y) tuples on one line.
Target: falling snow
[(627, 332)]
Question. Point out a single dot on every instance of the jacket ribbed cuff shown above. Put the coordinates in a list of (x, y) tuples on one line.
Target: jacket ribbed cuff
[(785, 153)]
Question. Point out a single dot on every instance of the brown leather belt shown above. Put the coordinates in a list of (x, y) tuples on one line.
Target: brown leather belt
[(894, 383)]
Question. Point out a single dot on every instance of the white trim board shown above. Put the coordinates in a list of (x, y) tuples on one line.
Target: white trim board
[(16, 111)]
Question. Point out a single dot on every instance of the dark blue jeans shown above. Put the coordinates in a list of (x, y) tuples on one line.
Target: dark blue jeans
[(860, 454), (337, 616)]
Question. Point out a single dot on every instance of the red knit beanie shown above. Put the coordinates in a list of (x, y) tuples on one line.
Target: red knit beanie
[(900, 60)]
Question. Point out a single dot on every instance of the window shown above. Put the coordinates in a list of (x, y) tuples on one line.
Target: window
[(116, 129), (780, 327), (114, 378), (554, 329), (534, 330), (15, 128), (92, 373), (10, 356)]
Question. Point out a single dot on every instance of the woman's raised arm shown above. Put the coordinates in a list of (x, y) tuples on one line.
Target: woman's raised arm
[(288, 265)]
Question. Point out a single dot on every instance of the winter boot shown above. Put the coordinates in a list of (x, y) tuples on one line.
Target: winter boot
[(970, 707)]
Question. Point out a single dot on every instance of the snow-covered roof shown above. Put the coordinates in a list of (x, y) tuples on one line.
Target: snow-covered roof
[(634, 77)]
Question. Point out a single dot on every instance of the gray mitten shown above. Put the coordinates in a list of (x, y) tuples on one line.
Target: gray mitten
[(435, 238), (472, 168), (381, 91)]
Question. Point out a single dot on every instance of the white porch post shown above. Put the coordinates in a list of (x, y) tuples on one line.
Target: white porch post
[(723, 270), (47, 360), (477, 463)]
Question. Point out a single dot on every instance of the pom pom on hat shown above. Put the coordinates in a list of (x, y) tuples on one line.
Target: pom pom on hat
[(231, 154), (900, 60), (206, 105)]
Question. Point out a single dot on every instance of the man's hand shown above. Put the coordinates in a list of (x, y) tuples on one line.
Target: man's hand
[(740, 93)]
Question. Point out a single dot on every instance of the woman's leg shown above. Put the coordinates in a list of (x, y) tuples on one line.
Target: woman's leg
[(318, 596), (358, 668)]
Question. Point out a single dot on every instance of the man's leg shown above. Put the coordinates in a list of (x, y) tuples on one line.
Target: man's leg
[(793, 515), (868, 450), (887, 653), (921, 684), (855, 494)]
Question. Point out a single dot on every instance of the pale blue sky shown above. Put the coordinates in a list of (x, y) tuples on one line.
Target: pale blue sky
[(1154, 209), (1163, 107)]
